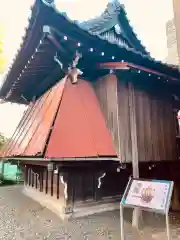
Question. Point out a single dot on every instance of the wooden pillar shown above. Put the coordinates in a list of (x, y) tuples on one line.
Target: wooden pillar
[(31, 180), (58, 184), (135, 160), (175, 203), (36, 181), (70, 200), (67, 181), (41, 176), (52, 180), (29, 175), (46, 181), (133, 125), (33, 177), (55, 183), (50, 183), (25, 175), (175, 198), (2, 171)]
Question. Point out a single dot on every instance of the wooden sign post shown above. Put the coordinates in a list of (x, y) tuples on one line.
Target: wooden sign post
[(147, 195)]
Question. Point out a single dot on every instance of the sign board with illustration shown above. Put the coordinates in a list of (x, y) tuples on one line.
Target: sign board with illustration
[(149, 195)]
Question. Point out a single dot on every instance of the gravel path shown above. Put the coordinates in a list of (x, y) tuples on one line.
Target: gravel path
[(22, 218)]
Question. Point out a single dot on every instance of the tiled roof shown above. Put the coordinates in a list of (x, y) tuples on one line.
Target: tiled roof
[(33, 71)]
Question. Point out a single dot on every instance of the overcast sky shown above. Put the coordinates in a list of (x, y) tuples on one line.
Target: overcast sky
[(148, 19)]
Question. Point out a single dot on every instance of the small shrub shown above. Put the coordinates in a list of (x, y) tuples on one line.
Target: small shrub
[(5, 182)]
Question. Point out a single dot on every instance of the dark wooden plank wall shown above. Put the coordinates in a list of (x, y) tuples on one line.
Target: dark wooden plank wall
[(85, 185), (82, 184), (106, 90), (156, 128), (124, 122)]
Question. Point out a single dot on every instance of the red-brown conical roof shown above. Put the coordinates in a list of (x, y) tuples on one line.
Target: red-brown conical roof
[(66, 122)]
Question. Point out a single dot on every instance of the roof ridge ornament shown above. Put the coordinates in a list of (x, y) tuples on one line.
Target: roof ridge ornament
[(73, 71), (112, 6), (48, 2), (117, 29), (77, 58)]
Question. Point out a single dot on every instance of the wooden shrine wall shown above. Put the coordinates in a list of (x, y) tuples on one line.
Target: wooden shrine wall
[(106, 91), (156, 134), (39, 178), (81, 185), (156, 128)]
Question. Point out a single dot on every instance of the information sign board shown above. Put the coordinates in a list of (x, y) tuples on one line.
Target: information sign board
[(149, 195)]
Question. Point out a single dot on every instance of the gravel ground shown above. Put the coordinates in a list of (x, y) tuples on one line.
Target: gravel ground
[(22, 218)]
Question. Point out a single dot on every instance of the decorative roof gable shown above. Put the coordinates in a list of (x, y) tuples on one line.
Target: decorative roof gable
[(113, 25)]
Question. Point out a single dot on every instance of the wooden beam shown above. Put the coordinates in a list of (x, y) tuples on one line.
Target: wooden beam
[(152, 71), (56, 160), (127, 65), (113, 65)]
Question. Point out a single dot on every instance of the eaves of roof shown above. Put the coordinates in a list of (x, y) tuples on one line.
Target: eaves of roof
[(44, 13)]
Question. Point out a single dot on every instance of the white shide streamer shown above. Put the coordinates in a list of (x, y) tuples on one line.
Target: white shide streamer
[(65, 187), (99, 179)]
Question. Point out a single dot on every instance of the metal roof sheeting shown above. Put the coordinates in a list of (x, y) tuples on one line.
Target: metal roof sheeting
[(65, 122), (79, 129), (31, 135), (37, 143)]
